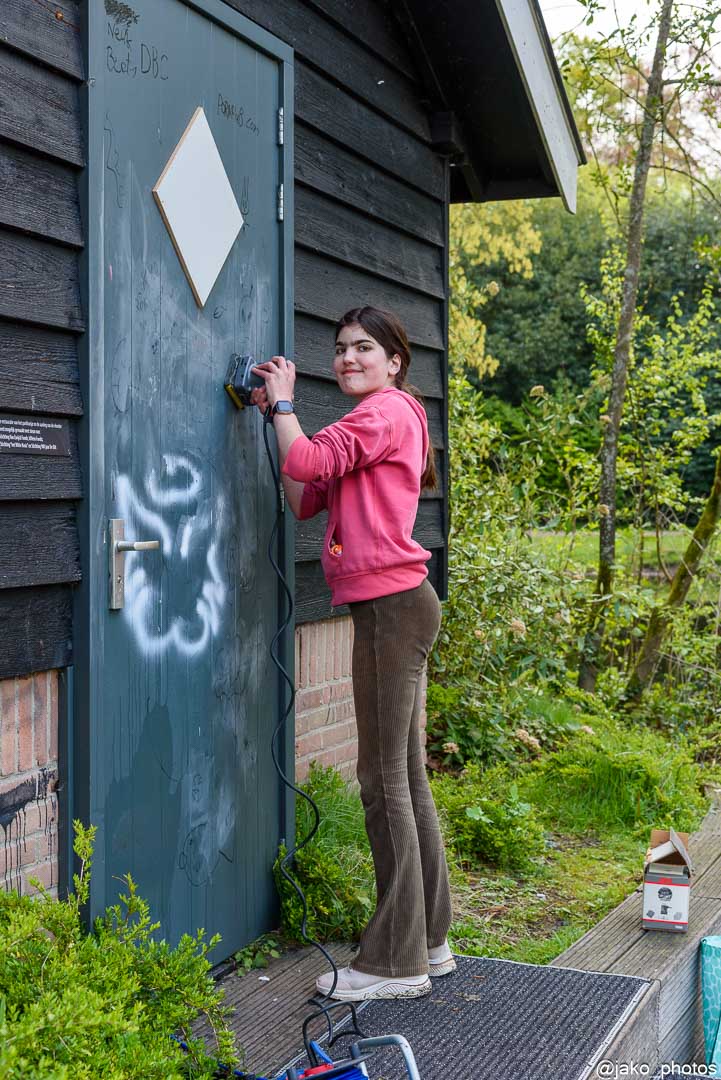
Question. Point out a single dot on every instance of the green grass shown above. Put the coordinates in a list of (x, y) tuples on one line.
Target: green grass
[(534, 918), (582, 546), (597, 798)]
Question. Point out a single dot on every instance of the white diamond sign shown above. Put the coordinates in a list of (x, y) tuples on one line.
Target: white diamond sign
[(198, 206)]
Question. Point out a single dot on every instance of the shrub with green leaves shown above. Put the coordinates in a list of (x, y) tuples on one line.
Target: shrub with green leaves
[(335, 870), (610, 776), (485, 819), (77, 1006)]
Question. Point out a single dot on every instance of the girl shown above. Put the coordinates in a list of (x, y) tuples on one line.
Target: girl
[(367, 470)]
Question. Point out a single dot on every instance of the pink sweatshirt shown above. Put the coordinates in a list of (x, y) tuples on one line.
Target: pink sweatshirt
[(366, 471)]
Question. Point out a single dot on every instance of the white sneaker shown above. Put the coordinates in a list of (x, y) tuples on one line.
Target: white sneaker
[(440, 961), (357, 986)]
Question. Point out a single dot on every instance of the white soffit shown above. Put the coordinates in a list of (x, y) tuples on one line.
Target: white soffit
[(198, 206), (539, 79)]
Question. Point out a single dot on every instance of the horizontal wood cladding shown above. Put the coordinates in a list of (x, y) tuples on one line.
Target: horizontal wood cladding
[(343, 59), (312, 595), (39, 544), (336, 171), (323, 105), (50, 32), (370, 228), (39, 282), (326, 227), (35, 476), (39, 196), (314, 342), (39, 108), (38, 371), (327, 289), (321, 403), (36, 629), (376, 29), (428, 530)]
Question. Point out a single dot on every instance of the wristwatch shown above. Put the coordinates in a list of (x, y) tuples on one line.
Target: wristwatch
[(282, 407)]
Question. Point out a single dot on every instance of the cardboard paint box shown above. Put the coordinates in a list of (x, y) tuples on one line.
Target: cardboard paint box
[(667, 881)]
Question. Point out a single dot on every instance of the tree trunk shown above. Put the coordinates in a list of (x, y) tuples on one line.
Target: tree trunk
[(680, 584), (595, 627)]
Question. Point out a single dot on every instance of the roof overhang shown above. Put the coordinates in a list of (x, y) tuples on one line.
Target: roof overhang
[(501, 110)]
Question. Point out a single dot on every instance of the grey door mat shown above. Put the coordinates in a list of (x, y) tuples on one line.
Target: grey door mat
[(502, 1020)]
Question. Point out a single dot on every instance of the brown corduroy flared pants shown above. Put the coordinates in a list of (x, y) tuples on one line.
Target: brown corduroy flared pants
[(392, 638)]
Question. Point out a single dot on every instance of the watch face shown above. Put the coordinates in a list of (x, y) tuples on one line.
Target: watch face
[(284, 406)]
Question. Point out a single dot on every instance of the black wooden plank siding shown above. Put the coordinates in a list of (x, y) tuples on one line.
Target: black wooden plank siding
[(39, 108), (50, 205), (41, 150), (335, 171), (349, 236), (371, 226), (39, 282), (38, 371), (36, 629), (330, 109), (45, 538), (48, 32), (374, 29)]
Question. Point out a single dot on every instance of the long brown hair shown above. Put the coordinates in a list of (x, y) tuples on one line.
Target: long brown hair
[(387, 329)]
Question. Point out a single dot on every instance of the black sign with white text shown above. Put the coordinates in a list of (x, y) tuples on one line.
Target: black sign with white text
[(34, 435)]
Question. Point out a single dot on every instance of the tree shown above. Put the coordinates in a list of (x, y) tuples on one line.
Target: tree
[(658, 98), (482, 236), (680, 584)]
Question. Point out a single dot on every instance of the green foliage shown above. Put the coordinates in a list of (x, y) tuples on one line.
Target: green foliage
[(77, 1005), (535, 325), (485, 819), (257, 954), (335, 870), (671, 366), (609, 776)]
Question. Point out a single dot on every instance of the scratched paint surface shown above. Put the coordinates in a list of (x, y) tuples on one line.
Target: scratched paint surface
[(186, 797)]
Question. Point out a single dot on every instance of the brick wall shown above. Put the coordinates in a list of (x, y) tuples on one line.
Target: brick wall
[(28, 776), (324, 711)]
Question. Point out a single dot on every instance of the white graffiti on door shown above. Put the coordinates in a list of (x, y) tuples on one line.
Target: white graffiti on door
[(183, 518)]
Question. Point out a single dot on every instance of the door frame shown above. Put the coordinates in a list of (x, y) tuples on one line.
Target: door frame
[(83, 705)]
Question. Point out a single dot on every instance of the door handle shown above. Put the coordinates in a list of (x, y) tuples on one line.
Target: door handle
[(117, 546)]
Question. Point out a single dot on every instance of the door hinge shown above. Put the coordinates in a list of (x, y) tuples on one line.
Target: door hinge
[(280, 127), (280, 202)]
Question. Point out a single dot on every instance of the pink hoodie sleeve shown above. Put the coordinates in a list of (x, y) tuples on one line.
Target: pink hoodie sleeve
[(361, 438), (313, 500)]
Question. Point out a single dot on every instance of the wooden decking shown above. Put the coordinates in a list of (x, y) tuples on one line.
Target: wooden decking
[(667, 1024), (271, 1004)]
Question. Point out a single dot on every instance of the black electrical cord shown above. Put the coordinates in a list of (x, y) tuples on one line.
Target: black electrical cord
[(323, 1004)]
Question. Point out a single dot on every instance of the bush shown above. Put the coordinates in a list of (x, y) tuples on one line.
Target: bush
[(485, 820), (76, 1005), (335, 870), (610, 776)]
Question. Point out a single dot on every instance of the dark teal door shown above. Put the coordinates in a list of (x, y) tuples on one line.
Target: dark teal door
[(182, 695)]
